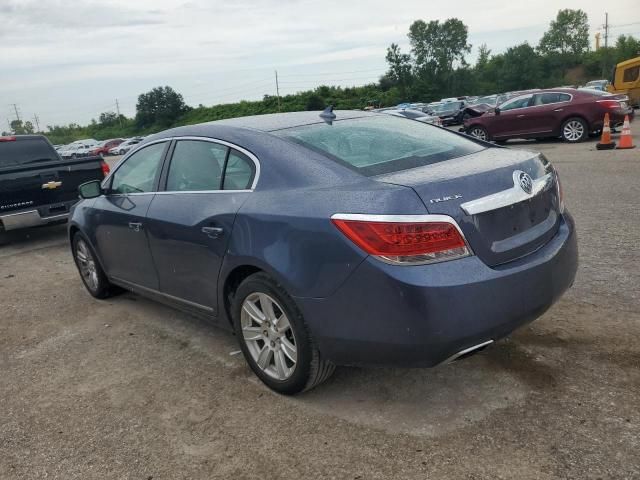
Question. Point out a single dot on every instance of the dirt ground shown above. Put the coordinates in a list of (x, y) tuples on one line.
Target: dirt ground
[(127, 388)]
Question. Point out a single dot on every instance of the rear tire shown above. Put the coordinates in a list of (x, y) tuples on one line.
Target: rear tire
[(574, 130), (91, 272), (274, 338)]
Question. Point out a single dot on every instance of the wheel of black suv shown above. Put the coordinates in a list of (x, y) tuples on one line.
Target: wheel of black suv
[(575, 130), (91, 272), (479, 132), (274, 338)]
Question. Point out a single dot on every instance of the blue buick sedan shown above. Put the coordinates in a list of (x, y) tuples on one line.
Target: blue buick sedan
[(333, 238)]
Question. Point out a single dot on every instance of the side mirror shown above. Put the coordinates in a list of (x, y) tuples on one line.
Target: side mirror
[(90, 189), (496, 110)]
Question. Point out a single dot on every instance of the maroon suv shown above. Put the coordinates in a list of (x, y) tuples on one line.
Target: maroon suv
[(562, 112)]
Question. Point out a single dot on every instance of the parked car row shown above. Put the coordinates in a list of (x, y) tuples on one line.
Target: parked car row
[(89, 146)]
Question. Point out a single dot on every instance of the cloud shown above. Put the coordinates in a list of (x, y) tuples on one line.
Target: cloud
[(70, 57), (62, 15)]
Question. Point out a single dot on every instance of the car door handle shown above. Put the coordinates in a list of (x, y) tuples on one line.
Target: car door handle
[(521, 115), (213, 232), (135, 226), (558, 109)]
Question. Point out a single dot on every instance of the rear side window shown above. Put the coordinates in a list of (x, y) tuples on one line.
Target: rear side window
[(196, 166), (551, 97), (631, 74), (20, 152), (381, 144), (239, 172), (139, 172)]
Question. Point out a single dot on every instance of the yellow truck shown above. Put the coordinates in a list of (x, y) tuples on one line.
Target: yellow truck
[(626, 80)]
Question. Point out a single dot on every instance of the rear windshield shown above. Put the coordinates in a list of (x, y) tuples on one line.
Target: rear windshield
[(381, 144), (20, 152)]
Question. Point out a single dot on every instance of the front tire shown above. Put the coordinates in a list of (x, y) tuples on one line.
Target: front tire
[(274, 338), (574, 130), (479, 132), (91, 272)]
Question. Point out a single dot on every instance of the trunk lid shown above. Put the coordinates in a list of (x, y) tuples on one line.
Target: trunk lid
[(481, 192)]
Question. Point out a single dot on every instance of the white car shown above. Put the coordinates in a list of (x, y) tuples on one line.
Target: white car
[(125, 146), (75, 150), (416, 115)]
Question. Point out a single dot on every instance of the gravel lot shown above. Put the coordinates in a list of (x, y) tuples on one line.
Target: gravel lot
[(127, 388)]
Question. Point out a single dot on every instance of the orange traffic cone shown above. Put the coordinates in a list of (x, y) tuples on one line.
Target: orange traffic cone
[(626, 141), (605, 140)]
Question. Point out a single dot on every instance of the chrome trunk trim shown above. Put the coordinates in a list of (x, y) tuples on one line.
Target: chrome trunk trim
[(508, 197)]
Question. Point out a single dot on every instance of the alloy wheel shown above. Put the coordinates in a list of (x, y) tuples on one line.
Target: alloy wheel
[(268, 336), (573, 130), (87, 265), (479, 133)]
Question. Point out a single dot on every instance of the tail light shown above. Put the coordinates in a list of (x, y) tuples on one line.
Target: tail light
[(610, 104), (405, 239), (8, 139), (105, 168)]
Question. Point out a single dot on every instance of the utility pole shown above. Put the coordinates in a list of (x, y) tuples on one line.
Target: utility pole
[(37, 120), (118, 111), (15, 108), (605, 60), (278, 90)]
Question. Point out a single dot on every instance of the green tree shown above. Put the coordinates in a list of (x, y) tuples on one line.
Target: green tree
[(17, 127), (28, 127), (567, 34), (520, 68), (626, 47), (400, 70), (436, 47), (161, 106), (108, 119), (315, 102)]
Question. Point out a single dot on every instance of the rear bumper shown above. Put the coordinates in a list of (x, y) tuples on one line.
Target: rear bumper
[(35, 217), (422, 315)]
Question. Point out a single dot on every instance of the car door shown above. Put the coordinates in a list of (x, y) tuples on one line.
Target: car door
[(190, 222), (547, 113), (513, 119), (120, 230)]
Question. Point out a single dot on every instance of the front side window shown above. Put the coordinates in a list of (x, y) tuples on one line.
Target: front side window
[(139, 172), (519, 102), (380, 144), (196, 166)]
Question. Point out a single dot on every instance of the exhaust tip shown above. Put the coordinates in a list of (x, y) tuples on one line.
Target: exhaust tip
[(467, 352)]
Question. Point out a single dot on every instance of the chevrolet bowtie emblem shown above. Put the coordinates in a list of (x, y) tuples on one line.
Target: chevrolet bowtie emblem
[(51, 185)]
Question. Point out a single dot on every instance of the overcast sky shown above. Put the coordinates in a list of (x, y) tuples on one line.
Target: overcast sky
[(67, 61)]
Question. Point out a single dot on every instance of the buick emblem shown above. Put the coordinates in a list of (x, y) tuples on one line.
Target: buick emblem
[(525, 181)]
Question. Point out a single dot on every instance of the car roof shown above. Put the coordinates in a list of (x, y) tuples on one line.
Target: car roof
[(279, 121)]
